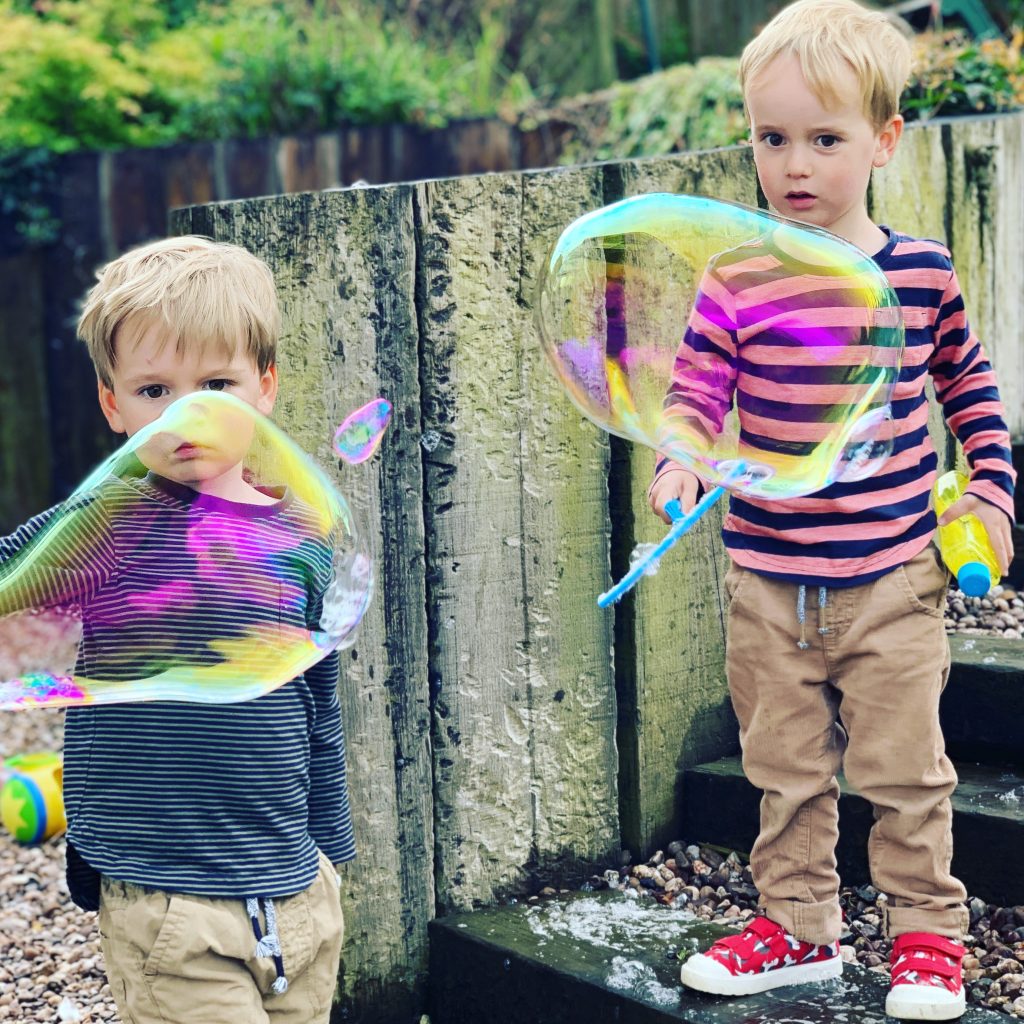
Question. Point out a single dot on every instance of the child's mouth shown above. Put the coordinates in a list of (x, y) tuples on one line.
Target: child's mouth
[(800, 199)]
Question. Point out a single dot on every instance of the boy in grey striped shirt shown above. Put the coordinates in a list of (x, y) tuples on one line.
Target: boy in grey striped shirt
[(205, 834)]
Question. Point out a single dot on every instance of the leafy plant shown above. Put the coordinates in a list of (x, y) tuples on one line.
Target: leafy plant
[(957, 76)]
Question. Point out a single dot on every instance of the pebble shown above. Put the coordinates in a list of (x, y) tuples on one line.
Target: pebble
[(1000, 613)]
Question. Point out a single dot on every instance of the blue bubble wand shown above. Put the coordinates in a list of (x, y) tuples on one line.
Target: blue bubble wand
[(681, 524)]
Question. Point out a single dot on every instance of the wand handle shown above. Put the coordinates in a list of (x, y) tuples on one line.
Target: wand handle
[(680, 525)]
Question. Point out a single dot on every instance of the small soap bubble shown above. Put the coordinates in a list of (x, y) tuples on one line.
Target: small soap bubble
[(639, 554), (656, 311), (360, 435), (68, 1012), (212, 540), (430, 440)]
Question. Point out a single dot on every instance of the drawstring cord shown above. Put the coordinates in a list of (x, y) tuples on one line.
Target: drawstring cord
[(801, 614), (269, 944), (822, 601)]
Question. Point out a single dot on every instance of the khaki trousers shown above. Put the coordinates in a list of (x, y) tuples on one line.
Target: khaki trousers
[(176, 959), (864, 697)]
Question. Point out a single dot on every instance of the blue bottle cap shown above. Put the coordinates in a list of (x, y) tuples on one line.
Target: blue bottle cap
[(974, 579)]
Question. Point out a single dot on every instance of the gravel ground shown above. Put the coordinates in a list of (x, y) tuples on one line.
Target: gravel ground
[(51, 967), (999, 613)]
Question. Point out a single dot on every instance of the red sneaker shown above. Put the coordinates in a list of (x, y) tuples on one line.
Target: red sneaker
[(762, 957), (927, 979)]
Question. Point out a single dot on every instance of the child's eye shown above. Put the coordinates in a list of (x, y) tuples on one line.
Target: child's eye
[(153, 391), (828, 141), (772, 139), (218, 384)]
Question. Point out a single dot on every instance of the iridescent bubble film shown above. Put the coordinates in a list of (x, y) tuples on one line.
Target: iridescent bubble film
[(361, 433), (756, 352), (208, 560)]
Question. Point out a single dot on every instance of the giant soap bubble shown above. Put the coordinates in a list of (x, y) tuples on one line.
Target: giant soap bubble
[(208, 560), (662, 312)]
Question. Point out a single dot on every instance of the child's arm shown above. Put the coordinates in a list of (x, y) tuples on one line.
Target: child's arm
[(965, 384), (328, 794), (701, 391), (329, 822), (71, 561)]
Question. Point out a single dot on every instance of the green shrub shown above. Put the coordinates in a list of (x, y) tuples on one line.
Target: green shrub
[(699, 106), (957, 76)]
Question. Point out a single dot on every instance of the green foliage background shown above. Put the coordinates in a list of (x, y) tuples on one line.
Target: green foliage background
[(100, 74)]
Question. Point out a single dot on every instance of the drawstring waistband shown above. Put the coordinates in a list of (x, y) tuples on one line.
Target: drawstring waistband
[(801, 614), (269, 944)]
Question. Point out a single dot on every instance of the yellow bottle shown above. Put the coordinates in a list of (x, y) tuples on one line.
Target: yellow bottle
[(964, 543)]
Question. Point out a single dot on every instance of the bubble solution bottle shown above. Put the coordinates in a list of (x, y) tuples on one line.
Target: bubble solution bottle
[(964, 544)]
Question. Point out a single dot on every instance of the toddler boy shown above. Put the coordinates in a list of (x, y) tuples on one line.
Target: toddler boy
[(859, 689), (205, 834)]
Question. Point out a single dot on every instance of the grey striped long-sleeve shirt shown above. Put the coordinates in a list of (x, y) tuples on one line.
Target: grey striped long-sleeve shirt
[(212, 799)]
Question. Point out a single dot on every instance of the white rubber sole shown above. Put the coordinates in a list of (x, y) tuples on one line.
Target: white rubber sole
[(706, 975), (924, 1002)]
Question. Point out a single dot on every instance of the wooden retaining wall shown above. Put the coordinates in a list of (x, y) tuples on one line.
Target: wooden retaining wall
[(503, 732)]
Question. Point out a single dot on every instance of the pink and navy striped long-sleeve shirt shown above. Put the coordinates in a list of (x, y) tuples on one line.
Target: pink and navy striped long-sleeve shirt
[(850, 533)]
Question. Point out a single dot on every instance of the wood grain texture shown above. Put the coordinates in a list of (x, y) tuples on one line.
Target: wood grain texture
[(344, 265), (517, 523)]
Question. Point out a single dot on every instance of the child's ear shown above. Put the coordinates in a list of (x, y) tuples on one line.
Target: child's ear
[(108, 405), (887, 140), (268, 390)]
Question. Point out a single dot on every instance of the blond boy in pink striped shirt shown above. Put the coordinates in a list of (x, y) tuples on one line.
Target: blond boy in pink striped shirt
[(860, 689)]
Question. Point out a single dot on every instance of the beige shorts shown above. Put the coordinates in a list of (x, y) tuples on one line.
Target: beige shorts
[(176, 959)]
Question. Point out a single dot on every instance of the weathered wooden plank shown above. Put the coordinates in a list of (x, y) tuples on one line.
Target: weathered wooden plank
[(674, 707), (138, 197), (724, 28), (905, 199), (344, 264), (189, 174), (517, 527), (25, 443), (986, 164), (81, 435)]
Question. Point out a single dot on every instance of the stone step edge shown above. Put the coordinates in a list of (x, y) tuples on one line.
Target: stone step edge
[(480, 963), (988, 834)]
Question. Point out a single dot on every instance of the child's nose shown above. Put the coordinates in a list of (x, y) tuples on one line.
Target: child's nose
[(797, 165)]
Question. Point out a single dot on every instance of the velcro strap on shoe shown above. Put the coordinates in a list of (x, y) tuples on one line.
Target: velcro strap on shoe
[(762, 927), (926, 942), (926, 965)]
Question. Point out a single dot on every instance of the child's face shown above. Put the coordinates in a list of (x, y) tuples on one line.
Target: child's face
[(813, 162), (149, 376)]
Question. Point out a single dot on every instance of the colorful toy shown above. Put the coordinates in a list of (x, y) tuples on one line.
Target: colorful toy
[(32, 800), (964, 543)]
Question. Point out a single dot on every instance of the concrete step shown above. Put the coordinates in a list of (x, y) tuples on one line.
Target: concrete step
[(982, 709), (721, 807), (608, 957)]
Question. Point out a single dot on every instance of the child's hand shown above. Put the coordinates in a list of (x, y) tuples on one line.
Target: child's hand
[(996, 524), (673, 483)]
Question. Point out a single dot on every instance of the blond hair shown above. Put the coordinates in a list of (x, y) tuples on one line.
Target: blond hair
[(826, 34), (202, 293)]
